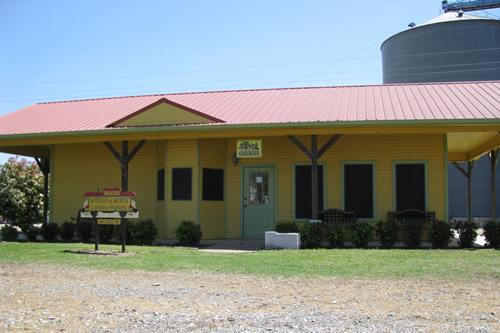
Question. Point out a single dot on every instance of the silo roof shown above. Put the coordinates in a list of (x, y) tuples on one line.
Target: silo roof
[(453, 17)]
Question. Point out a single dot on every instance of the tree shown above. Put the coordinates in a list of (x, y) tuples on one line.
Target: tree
[(21, 192)]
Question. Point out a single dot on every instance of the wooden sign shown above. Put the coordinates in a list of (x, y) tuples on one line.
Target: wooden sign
[(112, 191), (109, 204), (251, 148), (109, 221)]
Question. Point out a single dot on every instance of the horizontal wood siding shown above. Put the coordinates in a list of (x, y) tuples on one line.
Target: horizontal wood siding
[(87, 167), (384, 150), (212, 213), (181, 154)]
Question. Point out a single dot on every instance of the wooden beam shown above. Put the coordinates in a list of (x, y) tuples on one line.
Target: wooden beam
[(314, 177), (457, 157), (493, 155), (468, 175), (484, 148), (136, 150), (300, 145), (112, 149), (459, 167), (314, 155), (328, 144), (44, 166)]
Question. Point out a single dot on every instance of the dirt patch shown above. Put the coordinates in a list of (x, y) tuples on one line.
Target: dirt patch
[(47, 298), (100, 253)]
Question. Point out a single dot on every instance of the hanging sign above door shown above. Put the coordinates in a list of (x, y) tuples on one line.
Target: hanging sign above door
[(251, 148)]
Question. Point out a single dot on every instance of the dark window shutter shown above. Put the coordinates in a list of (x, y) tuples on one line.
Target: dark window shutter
[(410, 186), (181, 183), (160, 185), (303, 198), (213, 184), (358, 189)]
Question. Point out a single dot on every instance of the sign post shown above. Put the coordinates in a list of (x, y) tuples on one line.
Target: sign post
[(111, 206)]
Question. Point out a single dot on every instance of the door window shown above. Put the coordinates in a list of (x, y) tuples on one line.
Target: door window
[(258, 188)]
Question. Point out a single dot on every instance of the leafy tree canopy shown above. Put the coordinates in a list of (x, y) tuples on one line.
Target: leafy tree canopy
[(21, 192)]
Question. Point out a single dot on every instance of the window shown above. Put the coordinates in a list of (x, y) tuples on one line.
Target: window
[(213, 184), (358, 189), (181, 183), (303, 191), (410, 186), (160, 185)]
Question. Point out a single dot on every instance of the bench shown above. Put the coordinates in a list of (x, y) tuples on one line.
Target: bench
[(409, 215), (336, 216)]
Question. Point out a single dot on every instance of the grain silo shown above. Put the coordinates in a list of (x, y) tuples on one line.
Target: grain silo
[(455, 46)]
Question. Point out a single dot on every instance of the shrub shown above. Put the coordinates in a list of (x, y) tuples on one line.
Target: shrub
[(67, 231), (361, 234), (188, 233), (9, 233), (387, 232), (32, 233), (311, 235), (106, 232), (492, 234), (412, 232), (144, 232), (467, 234), (287, 226), (335, 235), (440, 234), (84, 230), (49, 232)]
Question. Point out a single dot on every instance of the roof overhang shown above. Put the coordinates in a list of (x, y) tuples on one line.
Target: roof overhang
[(277, 129)]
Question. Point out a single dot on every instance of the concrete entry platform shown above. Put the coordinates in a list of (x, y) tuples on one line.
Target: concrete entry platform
[(232, 245)]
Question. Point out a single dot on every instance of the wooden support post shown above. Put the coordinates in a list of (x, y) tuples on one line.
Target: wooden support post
[(468, 175), (44, 166), (493, 155), (314, 177), (124, 159), (314, 155)]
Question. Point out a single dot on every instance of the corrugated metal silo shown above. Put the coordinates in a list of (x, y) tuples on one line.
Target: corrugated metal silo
[(455, 46)]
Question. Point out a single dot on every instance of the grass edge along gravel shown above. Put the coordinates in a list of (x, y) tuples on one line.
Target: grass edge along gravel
[(343, 263)]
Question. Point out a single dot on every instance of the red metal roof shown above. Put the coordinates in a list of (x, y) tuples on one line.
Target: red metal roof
[(400, 102)]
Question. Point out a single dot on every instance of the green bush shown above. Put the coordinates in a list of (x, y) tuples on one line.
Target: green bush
[(412, 232), (287, 226), (387, 232), (311, 235), (67, 231), (32, 233), (188, 233), (49, 232), (440, 234), (143, 232), (362, 234), (84, 230), (467, 234), (106, 232), (335, 235), (9, 233), (492, 234)]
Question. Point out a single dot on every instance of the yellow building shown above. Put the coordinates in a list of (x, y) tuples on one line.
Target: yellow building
[(238, 162)]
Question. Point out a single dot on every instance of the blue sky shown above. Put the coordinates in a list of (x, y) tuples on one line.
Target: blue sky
[(56, 50)]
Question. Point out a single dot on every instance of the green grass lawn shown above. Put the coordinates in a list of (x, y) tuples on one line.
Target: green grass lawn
[(449, 264)]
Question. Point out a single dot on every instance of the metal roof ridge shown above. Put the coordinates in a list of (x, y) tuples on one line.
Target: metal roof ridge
[(269, 89)]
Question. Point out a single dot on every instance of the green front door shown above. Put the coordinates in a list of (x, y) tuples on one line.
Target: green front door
[(259, 201)]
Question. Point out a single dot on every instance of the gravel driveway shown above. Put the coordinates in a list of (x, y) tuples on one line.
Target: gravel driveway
[(49, 298)]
